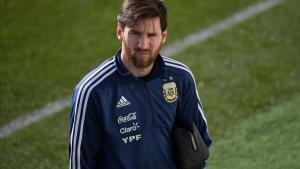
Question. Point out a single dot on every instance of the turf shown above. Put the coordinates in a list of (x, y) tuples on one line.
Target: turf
[(248, 80), (37, 146), (249, 68), (47, 46), (269, 140)]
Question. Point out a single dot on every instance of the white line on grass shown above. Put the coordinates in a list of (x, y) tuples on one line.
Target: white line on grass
[(220, 26), (34, 116), (176, 47)]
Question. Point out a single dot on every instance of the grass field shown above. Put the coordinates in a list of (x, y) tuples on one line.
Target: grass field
[(268, 140), (248, 77), (249, 68), (47, 46)]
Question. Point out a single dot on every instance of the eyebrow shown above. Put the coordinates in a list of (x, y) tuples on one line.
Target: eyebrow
[(134, 31), (138, 32)]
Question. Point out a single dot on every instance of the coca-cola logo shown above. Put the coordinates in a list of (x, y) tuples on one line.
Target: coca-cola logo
[(128, 118)]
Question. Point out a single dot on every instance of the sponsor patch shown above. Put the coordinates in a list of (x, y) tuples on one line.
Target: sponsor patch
[(131, 139), (123, 102), (130, 129), (170, 92), (128, 118)]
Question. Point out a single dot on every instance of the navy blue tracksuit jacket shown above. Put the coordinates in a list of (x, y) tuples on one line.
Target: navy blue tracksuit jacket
[(119, 121)]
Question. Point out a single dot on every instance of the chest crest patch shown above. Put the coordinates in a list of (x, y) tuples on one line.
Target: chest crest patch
[(170, 92)]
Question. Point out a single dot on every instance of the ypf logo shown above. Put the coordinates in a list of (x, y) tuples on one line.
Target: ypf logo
[(131, 139)]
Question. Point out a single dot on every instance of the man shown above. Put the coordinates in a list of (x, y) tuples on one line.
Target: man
[(123, 111)]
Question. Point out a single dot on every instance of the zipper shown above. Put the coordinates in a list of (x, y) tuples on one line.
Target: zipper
[(148, 100)]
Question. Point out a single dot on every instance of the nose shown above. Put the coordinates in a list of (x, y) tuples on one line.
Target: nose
[(143, 42)]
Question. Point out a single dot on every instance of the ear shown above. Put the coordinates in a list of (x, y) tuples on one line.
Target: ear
[(164, 36), (119, 32)]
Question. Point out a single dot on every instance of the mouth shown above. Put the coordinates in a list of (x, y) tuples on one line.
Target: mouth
[(143, 52), (142, 55)]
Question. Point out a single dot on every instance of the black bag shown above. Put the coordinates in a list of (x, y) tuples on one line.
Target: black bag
[(189, 147)]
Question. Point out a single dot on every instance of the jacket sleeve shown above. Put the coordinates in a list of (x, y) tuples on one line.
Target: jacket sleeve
[(85, 132), (190, 109)]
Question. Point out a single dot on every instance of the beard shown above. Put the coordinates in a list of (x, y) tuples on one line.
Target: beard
[(143, 58), (139, 57)]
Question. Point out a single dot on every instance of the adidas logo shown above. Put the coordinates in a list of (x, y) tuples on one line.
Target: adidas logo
[(123, 102)]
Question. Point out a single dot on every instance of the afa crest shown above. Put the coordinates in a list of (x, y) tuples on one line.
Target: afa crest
[(170, 92)]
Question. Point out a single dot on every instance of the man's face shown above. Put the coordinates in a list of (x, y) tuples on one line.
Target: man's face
[(142, 42)]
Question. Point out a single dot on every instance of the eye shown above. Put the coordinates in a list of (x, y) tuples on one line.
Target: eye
[(134, 33), (152, 34)]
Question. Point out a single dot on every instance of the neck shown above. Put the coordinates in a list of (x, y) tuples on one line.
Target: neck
[(135, 71)]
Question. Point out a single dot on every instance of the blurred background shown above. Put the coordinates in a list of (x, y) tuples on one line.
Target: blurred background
[(247, 76)]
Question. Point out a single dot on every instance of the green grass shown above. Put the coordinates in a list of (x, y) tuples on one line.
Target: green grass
[(191, 16), (47, 46), (248, 78), (249, 68), (269, 140), (37, 146)]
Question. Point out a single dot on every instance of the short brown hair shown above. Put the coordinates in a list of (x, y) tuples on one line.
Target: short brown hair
[(132, 10)]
